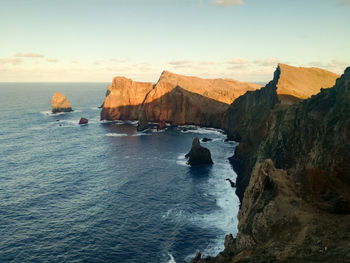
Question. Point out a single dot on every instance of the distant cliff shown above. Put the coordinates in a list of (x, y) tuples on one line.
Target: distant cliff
[(174, 98), (296, 205)]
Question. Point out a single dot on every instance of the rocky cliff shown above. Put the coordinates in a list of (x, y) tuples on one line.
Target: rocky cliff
[(175, 99), (59, 103), (248, 119), (296, 207)]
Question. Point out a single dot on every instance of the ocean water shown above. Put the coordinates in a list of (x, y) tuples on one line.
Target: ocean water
[(104, 192)]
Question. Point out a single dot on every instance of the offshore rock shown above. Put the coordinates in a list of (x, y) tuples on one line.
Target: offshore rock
[(59, 103), (142, 123), (83, 121), (198, 155)]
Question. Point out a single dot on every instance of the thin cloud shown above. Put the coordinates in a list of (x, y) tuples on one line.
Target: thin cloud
[(180, 62), (52, 60), (28, 55), (267, 62), (238, 61), (228, 2), (13, 61)]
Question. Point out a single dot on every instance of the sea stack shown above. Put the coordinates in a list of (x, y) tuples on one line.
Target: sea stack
[(83, 121), (59, 103), (143, 123), (198, 155)]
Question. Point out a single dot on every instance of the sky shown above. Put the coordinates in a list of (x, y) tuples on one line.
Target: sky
[(95, 40)]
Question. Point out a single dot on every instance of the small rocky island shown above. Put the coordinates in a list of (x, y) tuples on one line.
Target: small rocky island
[(59, 103), (198, 155)]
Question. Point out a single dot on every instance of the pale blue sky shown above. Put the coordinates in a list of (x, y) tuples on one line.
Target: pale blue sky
[(94, 40)]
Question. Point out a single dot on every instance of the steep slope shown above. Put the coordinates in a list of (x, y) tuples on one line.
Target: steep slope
[(249, 117), (303, 82)]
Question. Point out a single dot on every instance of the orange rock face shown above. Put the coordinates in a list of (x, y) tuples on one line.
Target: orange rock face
[(303, 82), (59, 103), (175, 98), (123, 99)]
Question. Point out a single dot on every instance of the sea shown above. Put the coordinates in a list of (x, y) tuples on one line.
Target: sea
[(103, 192)]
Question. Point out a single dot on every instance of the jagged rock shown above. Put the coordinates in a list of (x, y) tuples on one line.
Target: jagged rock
[(198, 155), (59, 103), (83, 121), (142, 123)]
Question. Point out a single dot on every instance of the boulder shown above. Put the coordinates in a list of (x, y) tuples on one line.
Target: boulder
[(59, 103), (198, 155), (161, 125), (83, 121), (205, 139)]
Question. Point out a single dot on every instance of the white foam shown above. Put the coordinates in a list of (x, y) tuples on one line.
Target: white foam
[(49, 113), (116, 134), (181, 160), (140, 134), (204, 131), (172, 260)]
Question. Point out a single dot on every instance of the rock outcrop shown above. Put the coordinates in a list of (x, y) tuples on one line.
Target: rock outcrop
[(142, 121), (198, 155), (175, 99), (83, 121), (296, 207), (59, 103)]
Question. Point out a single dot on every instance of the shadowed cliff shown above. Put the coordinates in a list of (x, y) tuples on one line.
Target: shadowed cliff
[(177, 107)]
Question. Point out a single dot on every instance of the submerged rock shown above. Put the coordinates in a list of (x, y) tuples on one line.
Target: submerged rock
[(59, 103), (83, 121), (205, 139), (198, 155)]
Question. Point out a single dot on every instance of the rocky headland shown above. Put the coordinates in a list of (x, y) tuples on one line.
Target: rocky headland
[(175, 99), (293, 166), (59, 103)]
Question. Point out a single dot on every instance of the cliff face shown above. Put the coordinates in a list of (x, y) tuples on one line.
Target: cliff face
[(296, 207), (123, 99), (175, 98), (59, 103), (249, 118)]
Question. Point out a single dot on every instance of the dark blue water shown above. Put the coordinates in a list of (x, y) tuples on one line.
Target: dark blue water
[(103, 192)]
